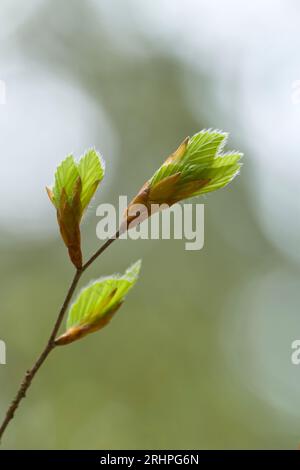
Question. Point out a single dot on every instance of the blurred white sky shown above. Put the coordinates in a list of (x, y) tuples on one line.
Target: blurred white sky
[(43, 120), (250, 50)]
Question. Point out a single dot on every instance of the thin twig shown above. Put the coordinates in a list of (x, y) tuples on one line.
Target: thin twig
[(30, 374), (101, 249)]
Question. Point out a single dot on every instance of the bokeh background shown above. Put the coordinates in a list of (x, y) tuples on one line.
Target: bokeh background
[(200, 354)]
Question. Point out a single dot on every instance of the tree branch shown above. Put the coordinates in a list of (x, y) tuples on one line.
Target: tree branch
[(30, 374)]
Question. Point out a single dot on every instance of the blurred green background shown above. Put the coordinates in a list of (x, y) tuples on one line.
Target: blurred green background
[(200, 354)]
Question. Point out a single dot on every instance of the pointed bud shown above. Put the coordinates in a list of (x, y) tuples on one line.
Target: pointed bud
[(74, 187), (97, 304), (197, 166)]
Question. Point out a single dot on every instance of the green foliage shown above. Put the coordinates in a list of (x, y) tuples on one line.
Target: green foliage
[(89, 172), (200, 165), (74, 186), (101, 297), (196, 167), (97, 303)]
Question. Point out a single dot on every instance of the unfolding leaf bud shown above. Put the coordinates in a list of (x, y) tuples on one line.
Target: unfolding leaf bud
[(74, 187), (198, 166)]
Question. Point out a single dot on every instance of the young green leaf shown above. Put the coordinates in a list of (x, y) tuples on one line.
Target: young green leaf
[(97, 303), (198, 166), (66, 176), (91, 171), (74, 186)]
